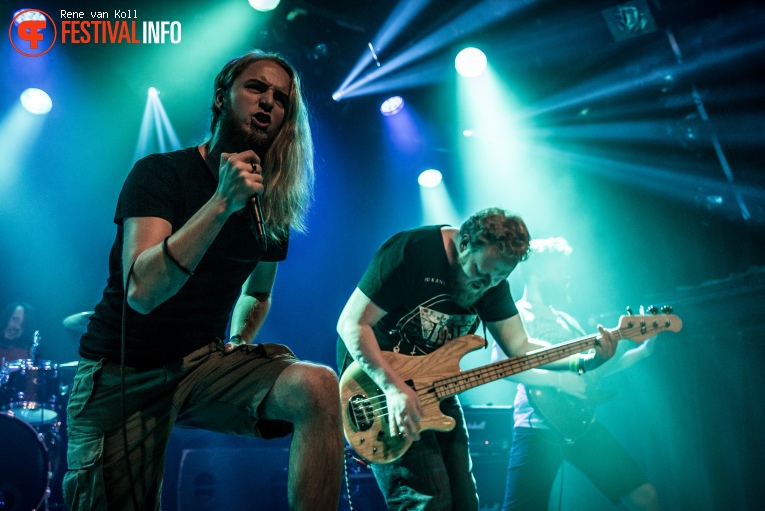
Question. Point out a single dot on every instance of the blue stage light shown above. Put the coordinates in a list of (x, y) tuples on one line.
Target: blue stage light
[(392, 106)]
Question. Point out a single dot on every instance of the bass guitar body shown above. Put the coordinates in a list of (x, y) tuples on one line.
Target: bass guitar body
[(365, 412)]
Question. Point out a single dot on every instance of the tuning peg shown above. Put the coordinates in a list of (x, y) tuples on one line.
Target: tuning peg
[(666, 309), (652, 309), (629, 311)]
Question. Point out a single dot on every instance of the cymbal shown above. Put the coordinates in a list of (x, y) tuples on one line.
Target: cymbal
[(69, 364), (78, 322)]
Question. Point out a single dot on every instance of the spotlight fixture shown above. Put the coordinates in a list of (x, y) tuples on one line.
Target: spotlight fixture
[(153, 93), (470, 62), (320, 51), (36, 101), (429, 178), (631, 19), (392, 106), (263, 5)]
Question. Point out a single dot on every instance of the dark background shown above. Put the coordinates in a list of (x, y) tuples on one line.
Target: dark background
[(631, 176)]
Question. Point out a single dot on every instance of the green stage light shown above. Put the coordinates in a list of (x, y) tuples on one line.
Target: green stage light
[(470, 62), (263, 5)]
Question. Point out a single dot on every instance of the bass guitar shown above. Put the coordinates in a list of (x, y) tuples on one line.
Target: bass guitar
[(437, 376)]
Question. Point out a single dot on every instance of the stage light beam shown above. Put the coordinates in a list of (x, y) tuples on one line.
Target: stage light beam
[(18, 130), (494, 147), (155, 119), (477, 17), (437, 205), (403, 13)]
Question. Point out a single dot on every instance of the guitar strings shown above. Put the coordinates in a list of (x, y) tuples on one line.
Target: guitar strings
[(427, 396), (473, 377), (377, 402)]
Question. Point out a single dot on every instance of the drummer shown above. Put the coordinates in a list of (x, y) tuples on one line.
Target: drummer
[(16, 322)]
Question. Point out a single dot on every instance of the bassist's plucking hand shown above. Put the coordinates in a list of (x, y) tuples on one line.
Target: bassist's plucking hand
[(404, 411)]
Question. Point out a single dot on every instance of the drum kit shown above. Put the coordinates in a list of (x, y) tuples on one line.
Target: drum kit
[(32, 428)]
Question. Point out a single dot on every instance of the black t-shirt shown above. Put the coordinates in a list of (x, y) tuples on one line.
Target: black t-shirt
[(174, 186), (409, 278)]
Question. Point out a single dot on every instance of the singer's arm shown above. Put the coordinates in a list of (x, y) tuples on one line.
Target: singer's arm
[(254, 302), (156, 277)]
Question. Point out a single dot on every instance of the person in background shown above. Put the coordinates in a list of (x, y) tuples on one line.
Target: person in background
[(540, 444), (16, 341)]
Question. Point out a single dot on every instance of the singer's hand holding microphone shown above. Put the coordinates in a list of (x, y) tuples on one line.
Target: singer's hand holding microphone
[(240, 181)]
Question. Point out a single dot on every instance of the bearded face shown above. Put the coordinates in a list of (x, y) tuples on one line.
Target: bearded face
[(463, 292), (238, 138), (254, 109), (476, 271)]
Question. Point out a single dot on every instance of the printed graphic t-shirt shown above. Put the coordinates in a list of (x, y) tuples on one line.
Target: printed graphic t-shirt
[(409, 278)]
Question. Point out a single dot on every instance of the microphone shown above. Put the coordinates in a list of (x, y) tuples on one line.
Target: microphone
[(256, 215), (35, 347)]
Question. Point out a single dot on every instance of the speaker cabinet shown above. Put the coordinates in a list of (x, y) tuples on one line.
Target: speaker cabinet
[(232, 479), (251, 477), (255, 478), (491, 432)]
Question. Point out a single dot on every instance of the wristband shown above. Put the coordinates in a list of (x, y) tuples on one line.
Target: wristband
[(174, 260)]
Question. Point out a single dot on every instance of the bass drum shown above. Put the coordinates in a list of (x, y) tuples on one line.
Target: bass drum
[(24, 470)]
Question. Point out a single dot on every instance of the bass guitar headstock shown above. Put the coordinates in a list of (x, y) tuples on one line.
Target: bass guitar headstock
[(641, 327)]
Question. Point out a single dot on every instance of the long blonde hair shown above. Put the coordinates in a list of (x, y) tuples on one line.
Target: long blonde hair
[(288, 164)]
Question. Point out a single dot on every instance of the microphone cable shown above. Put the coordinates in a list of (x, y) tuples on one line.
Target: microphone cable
[(122, 390), (346, 453)]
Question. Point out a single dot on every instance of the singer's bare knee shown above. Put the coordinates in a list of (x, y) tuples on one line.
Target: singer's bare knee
[(304, 391)]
